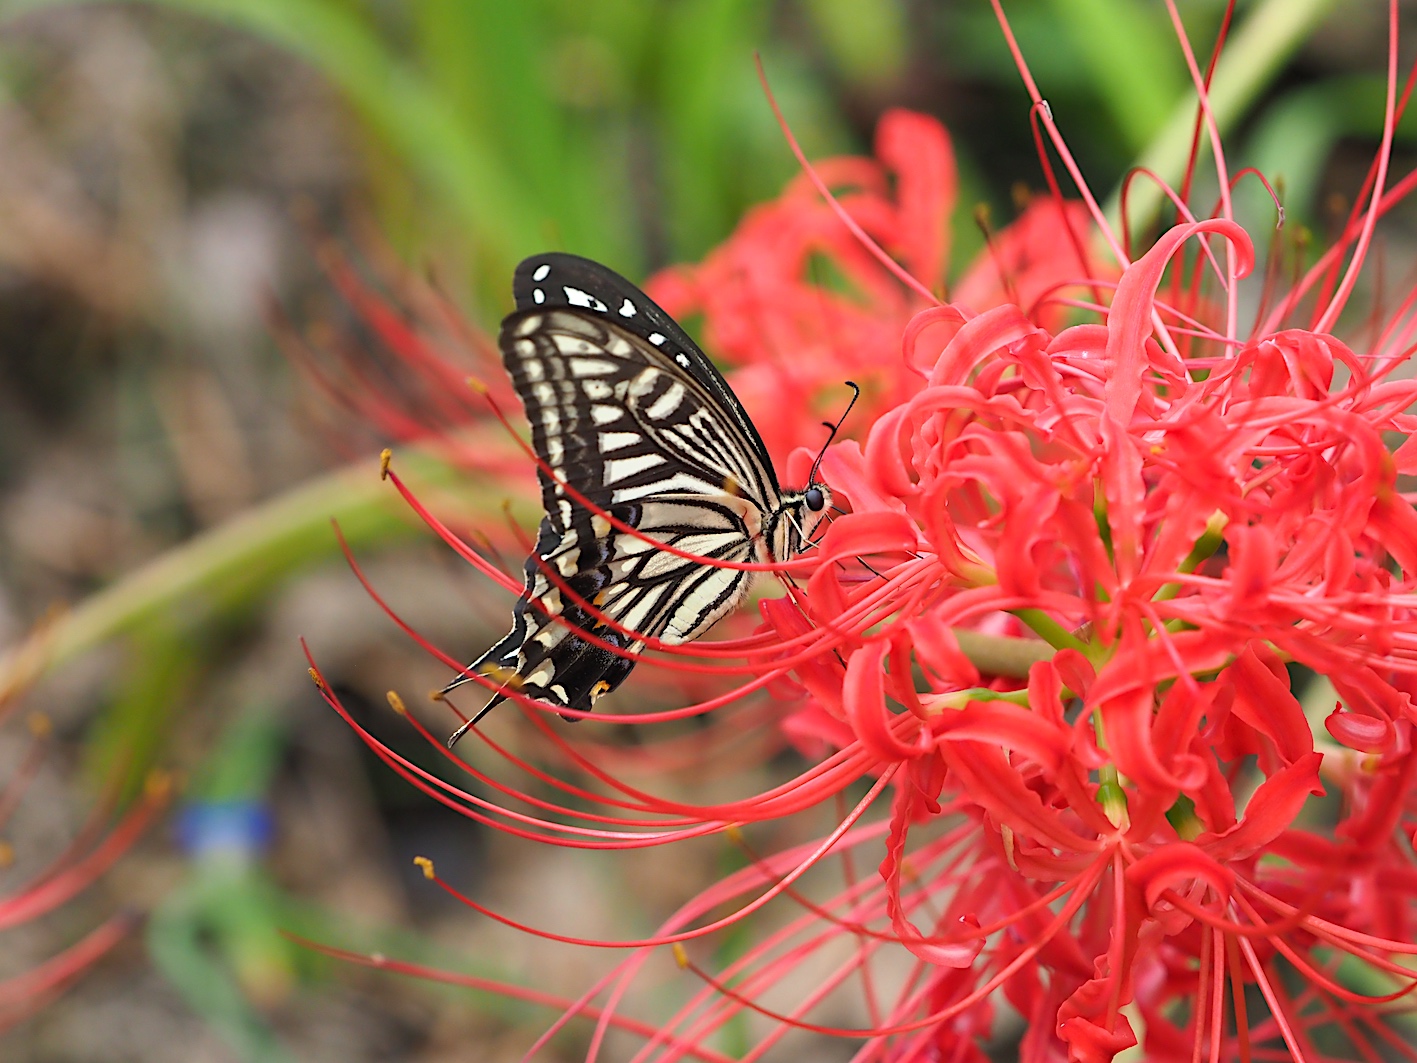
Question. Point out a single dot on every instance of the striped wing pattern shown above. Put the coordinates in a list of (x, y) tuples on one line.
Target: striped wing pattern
[(634, 419)]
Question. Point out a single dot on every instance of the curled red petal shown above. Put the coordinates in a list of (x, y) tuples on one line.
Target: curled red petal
[(978, 338), (864, 697), (869, 533), (1367, 734), (1011, 726), (1129, 321), (1271, 811), (1175, 866)]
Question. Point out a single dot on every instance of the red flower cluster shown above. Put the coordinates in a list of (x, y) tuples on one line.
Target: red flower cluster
[(795, 302), (1098, 538), (46, 889)]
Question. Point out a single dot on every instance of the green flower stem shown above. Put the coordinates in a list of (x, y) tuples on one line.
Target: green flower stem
[(1052, 632), (236, 562), (999, 655), (1251, 57)]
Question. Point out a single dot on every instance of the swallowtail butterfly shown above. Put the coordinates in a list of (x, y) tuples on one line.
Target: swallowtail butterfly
[(627, 411)]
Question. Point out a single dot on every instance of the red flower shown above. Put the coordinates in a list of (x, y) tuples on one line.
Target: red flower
[(1113, 811), (45, 889), (795, 304)]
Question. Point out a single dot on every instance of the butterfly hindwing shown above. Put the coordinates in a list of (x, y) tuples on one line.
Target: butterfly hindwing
[(628, 418)]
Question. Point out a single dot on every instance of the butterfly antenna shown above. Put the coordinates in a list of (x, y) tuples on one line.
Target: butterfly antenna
[(856, 394)]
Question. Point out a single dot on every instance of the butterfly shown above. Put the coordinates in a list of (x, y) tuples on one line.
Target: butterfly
[(630, 421)]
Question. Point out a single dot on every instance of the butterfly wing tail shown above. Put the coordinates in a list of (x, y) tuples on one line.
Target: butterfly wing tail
[(469, 724), (499, 664)]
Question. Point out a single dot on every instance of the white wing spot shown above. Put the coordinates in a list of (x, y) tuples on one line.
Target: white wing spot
[(576, 297), (538, 296), (617, 440), (598, 389), (627, 308), (584, 367), (667, 403), (682, 359), (641, 610), (620, 468), (602, 414), (541, 272), (655, 338)]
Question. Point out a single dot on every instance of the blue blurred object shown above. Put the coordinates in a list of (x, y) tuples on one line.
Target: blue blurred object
[(239, 828)]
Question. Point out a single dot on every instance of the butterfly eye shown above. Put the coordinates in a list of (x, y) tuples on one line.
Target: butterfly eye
[(814, 499)]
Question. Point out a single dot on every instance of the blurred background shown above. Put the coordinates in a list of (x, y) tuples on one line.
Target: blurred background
[(168, 171)]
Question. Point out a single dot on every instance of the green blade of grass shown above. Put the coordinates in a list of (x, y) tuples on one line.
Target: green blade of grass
[(237, 562), (1252, 57)]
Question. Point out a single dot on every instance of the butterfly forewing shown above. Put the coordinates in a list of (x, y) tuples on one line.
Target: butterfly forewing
[(630, 419)]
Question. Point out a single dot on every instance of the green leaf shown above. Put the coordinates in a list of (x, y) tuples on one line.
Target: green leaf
[(1130, 53), (1254, 54)]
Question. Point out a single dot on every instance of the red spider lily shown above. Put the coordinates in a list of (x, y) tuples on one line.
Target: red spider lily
[(1142, 836), (96, 849), (795, 303)]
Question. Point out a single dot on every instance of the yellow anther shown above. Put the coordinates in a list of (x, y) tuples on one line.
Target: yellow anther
[(425, 865), (7, 854), (733, 834), (436, 695), (396, 703), (680, 956), (157, 785), (39, 725), (477, 385), (385, 457), (502, 676), (317, 677)]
